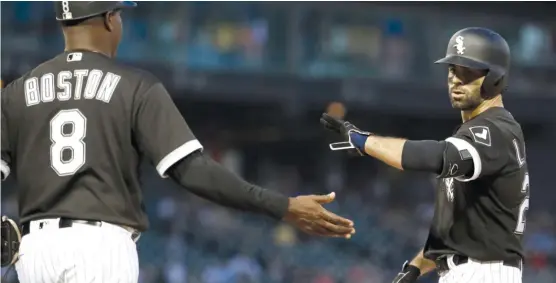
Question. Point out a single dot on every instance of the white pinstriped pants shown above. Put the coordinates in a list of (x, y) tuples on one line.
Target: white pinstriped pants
[(78, 254), (480, 272)]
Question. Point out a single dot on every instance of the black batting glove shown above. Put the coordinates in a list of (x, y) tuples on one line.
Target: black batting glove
[(353, 138), (409, 274)]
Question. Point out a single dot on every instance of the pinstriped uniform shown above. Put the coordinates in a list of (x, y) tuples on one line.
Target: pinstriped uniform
[(480, 272), (78, 254)]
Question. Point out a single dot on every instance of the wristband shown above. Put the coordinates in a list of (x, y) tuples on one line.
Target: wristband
[(358, 140)]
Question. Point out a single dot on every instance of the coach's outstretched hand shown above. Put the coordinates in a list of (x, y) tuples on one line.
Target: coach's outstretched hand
[(308, 215), (353, 138)]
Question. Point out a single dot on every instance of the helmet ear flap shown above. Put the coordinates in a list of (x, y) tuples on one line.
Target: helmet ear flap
[(493, 84)]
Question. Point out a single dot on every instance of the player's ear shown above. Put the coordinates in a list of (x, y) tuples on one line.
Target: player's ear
[(109, 21)]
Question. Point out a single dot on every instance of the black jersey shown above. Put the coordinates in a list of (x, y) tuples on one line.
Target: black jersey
[(74, 130), (482, 214)]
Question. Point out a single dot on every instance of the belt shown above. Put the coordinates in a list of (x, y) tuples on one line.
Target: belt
[(442, 262), (67, 223)]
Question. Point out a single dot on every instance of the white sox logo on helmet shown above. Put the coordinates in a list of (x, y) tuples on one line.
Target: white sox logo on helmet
[(459, 45)]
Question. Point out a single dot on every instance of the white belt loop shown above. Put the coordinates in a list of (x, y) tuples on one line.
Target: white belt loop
[(450, 262), (470, 260)]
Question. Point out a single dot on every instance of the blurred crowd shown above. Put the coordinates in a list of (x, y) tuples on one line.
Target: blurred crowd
[(194, 241), (393, 42)]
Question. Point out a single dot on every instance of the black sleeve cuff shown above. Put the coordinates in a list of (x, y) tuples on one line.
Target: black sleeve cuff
[(275, 204)]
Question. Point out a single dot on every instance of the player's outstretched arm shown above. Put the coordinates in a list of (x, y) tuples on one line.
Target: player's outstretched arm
[(206, 178), (431, 156), (412, 270)]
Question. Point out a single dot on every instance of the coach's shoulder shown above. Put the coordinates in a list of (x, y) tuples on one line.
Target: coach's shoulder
[(140, 79), (14, 86), (18, 84), (133, 72)]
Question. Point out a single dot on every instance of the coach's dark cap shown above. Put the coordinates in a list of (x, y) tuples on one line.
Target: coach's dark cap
[(78, 10)]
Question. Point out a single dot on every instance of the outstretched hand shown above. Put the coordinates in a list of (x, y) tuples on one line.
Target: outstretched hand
[(353, 144), (308, 215)]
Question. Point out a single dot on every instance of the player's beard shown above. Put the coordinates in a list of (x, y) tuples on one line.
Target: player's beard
[(469, 101)]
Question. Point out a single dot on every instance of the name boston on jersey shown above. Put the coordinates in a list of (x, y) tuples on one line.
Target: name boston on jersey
[(44, 89)]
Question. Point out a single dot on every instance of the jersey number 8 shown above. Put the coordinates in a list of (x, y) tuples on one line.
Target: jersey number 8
[(70, 141)]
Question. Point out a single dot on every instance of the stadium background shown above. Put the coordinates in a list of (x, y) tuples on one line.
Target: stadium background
[(252, 79)]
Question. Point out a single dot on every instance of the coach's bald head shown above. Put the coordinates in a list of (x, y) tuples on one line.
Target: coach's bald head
[(100, 33)]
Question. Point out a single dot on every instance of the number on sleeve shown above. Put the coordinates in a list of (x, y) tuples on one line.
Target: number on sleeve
[(520, 157), (67, 131), (523, 207)]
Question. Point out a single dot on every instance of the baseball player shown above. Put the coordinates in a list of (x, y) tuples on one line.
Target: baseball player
[(482, 194), (74, 131)]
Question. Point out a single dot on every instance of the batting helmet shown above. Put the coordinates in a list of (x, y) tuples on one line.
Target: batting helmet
[(79, 10), (481, 48)]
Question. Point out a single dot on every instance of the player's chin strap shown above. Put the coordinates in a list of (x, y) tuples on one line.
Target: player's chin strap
[(11, 238)]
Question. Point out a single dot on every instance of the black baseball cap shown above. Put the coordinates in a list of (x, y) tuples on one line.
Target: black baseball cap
[(78, 10)]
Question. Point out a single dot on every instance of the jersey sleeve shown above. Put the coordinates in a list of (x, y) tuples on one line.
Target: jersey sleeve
[(481, 145), (160, 131)]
